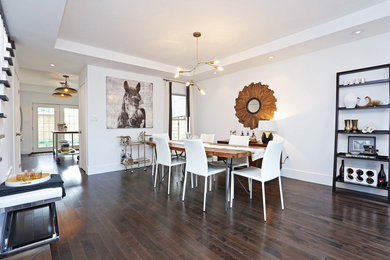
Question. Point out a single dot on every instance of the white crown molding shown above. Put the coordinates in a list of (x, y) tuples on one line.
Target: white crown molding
[(83, 49), (347, 22), (361, 17)]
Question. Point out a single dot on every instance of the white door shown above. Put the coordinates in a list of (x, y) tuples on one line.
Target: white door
[(83, 128), (45, 118)]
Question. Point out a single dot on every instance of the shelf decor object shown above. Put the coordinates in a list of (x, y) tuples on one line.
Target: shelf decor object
[(361, 143), (361, 176), (267, 126), (4, 98), (255, 102)]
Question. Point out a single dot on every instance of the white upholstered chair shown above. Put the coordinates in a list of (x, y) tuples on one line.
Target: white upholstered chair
[(207, 138), (241, 140), (196, 163), (164, 159), (270, 170)]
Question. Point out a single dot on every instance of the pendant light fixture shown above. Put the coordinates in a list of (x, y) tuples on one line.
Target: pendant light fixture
[(212, 63), (65, 89), (62, 95)]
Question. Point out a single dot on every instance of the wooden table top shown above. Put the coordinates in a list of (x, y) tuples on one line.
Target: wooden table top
[(66, 132), (220, 152), (258, 144)]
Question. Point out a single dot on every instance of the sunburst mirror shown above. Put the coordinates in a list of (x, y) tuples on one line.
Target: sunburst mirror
[(255, 102)]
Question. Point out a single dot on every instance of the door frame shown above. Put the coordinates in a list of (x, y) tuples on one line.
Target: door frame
[(35, 147)]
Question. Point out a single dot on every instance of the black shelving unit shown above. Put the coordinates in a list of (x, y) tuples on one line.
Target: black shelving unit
[(338, 132)]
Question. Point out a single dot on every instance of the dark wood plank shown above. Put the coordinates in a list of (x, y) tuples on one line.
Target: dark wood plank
[(121, 216)]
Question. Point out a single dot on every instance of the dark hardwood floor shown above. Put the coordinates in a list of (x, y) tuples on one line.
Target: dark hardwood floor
[(120, 216)]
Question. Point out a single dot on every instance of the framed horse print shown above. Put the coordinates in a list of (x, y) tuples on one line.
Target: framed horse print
[(129, 103)]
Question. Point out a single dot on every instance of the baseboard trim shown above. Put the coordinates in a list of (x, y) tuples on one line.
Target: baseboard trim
[(314, 177), (326, 179), (106, 168)]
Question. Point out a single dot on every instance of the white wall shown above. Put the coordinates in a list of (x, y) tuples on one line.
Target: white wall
[(7, 128), (29, 96), (305, 89), (103, 148)]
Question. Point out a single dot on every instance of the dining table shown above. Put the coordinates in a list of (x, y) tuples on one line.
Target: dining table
[(225, 151)]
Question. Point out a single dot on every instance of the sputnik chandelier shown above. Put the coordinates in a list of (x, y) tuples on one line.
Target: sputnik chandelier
[(212, 63), (65, 91)]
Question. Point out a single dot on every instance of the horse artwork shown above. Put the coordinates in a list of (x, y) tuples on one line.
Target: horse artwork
[(129, 103)]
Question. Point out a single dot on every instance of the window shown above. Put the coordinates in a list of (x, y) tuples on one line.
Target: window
[(179, 117)]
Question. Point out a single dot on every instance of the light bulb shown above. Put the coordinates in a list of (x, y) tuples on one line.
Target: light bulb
[(215, 62), (66, 90), (188, 83), (178, 69), (62, 95), (201, 91), (219, 68), (177, 75)]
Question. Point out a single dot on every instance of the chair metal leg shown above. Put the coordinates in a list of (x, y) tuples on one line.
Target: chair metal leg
[(214, 177), (155, 176), (264, 207), (192, 180), (153, 161), (249, 184), (231, 190), (211, 181), (184, 185), (251, 188), (169, 179), (281, 192), (205, 192), (196, 180)]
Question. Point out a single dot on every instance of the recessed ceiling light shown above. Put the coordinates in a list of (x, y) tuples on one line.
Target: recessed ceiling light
[(270, 57), (357, 32), (52, 65)]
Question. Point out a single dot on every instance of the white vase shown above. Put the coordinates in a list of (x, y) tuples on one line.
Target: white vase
[(350, 100)]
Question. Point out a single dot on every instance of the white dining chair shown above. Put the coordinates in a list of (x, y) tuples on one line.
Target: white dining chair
[(207, 138), (164, 159), (163, 135), (196, 163), (270, 170), (241, 140)]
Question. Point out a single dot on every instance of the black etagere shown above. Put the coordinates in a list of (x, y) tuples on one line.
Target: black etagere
[(338, 132)]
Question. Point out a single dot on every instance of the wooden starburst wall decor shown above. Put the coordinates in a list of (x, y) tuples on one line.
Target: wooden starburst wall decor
[(255, 102)]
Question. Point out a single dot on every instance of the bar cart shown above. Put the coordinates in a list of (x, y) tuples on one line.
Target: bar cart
[(58, 154), (127, 156)]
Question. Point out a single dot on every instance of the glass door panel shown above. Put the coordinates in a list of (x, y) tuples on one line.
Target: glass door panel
[(45, 119), (71, 118)]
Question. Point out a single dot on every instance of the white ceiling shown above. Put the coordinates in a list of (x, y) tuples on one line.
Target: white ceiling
[(162, 30), (154, 37)]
